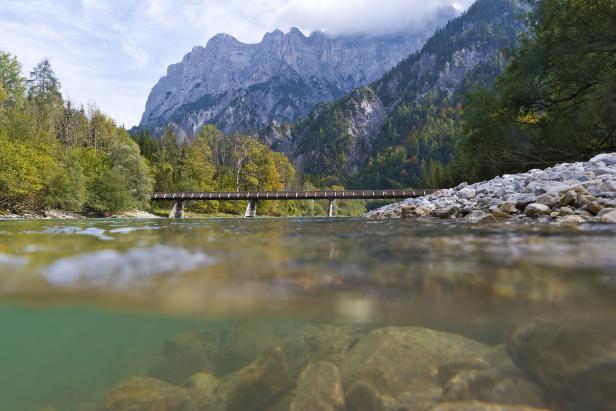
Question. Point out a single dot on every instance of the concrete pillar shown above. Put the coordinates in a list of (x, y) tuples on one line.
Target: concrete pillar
[(330, 208), (251, 209), (178, 210)]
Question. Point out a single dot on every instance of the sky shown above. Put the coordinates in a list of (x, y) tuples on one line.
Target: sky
[(110, 53)]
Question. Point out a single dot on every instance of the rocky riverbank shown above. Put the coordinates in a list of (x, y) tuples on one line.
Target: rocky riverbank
[(378, 368), (566, 193), (67, 215)]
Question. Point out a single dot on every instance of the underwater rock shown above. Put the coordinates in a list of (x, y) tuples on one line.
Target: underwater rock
[(260, 384), (482, 406), (242, 345), (317, 342), (185, 355), (418, 401), (207, 391), (362, 396), (503, 384), (319, 388), (404, 359), (147, 394), (573, 360)]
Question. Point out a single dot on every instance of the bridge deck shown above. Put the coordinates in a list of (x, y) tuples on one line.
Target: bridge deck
[(295, 195)]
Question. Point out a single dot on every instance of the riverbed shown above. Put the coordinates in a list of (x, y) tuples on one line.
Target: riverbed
[(405, 314)]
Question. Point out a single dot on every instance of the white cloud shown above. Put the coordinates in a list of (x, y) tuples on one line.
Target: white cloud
[(114, 51)]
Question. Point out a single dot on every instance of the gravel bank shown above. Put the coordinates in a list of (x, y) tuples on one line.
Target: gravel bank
[(567, 193)]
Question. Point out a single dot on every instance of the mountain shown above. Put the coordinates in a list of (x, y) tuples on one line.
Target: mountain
[(238, 86), (400, 130)]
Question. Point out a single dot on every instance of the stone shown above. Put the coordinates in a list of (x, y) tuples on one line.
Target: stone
[(605, 211), (481, 406), (466, 193), (503, 384), (319, 388), (572, 359), (607, 159), (147, 394), (500, 215), (446, 212), (259, 384), (418, 401), (609, 218), (423, 211), (449, 370), (593, 207), (479, 216), (523, 200), (535, 210), (242, 345), (565, 211), (324, 342), (568, 198), (509, 207), (404, 359), (362, 396), (407, 211), (207, 391), (572, 219), (549, 200)]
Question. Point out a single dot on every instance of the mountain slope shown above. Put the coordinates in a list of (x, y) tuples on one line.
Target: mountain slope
[(239, 86), (400, 130)]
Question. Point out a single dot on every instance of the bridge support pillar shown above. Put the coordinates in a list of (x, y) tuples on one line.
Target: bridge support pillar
[(330, 208), (251, 209), (178, 210)]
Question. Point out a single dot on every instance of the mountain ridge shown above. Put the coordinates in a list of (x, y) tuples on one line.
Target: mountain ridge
[(216, 83)]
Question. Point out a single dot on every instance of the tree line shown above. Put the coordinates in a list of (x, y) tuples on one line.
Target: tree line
[(54, 155)]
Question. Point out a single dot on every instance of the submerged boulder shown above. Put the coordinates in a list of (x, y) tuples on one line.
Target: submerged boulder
[(394, 360), (574, 361), (147, 394), (319, 388), (482, 406), (260, 384)]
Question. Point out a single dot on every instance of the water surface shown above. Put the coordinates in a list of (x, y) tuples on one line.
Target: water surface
[(88, 304)]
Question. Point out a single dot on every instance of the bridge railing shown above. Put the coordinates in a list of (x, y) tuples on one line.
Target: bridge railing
[(292, 195)]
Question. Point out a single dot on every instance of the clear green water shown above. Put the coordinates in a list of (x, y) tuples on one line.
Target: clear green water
[(84, 305)]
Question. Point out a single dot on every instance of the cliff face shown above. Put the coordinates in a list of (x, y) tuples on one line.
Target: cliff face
[(337, 140), (239, 86)]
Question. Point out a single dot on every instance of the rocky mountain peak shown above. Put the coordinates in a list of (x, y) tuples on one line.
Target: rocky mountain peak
[(239, 86)]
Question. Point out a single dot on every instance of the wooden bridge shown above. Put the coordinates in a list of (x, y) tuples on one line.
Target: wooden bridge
[(254, 196)]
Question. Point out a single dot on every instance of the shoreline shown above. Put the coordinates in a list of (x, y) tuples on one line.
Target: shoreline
[(569, 193)]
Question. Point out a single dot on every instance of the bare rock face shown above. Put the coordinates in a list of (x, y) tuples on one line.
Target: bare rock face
[(319, 388), (147, 394), (239, 86)]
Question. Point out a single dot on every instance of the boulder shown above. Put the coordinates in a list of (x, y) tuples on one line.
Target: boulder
[(481, 406), (260, 384), (509, 207), (573, 360), (466, 193), (479, 216), (241, 345), (394, 360), (565, 211), (317, 342), (607, 159), (548, 199), (572, 219), (147, 394), (319, 388), (207, 392), (609, 218), (535, 210), (445, 212), (503, 384), (363, 396)]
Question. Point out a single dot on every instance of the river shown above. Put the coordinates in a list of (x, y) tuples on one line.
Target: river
[(89, 304)]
